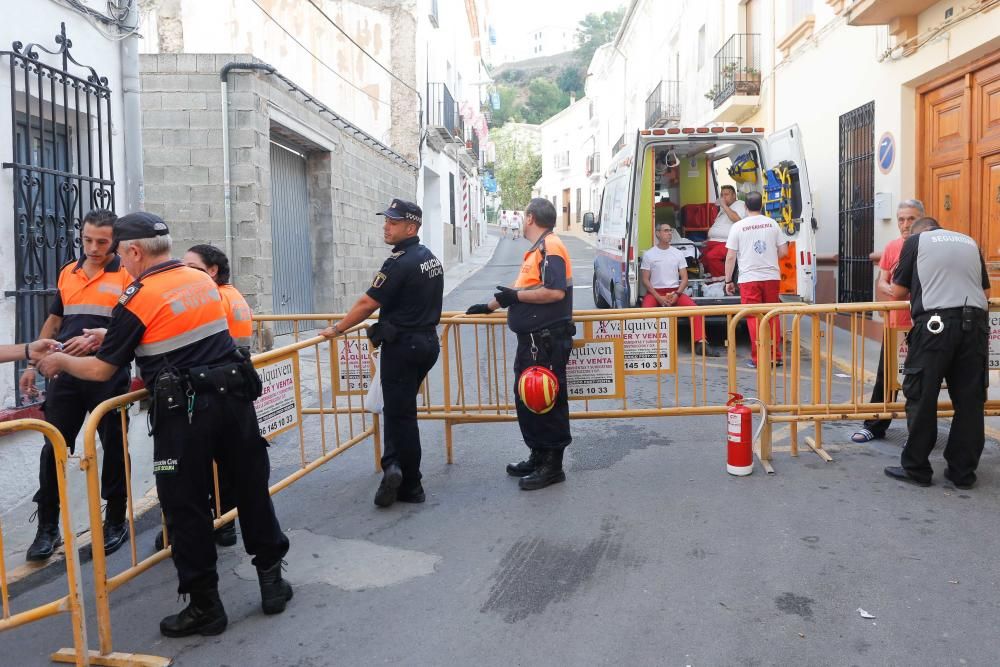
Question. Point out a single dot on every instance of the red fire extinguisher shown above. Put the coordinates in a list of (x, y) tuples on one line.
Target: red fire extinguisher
[(739, 457)]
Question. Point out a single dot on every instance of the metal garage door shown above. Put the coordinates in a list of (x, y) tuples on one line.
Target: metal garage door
[(292, 250)]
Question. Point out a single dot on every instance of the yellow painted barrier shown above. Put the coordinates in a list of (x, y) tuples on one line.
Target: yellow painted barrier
[(72, 602), (335, 397)]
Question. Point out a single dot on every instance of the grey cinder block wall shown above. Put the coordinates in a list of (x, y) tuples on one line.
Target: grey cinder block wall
[(347, 181)]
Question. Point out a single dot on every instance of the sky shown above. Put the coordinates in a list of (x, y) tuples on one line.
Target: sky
[(516, 18)]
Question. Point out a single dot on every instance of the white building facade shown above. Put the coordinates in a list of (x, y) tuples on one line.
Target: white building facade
[(894, 99), (567, 147), (73, 146)]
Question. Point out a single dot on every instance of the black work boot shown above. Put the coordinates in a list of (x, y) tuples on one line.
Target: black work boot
[(225, 535), (391, 479), (115, 535), (275, 592), (205, 616), (548, 472), (413, 494), (47, 540), (525, 468), (158, 542)]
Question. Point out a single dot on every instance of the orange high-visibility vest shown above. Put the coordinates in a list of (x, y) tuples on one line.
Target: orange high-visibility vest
[(238, 315), (178, 306), (532, 270), (95, 296)]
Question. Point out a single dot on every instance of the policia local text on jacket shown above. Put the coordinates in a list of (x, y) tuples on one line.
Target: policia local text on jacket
[(88, 290), (540, 312), (172, 321), (944, 275)]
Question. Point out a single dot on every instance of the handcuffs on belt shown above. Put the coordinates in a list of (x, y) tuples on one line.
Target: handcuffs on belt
[(935, 324)]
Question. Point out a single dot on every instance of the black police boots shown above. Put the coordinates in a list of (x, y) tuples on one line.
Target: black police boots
[(47, 540), (525, 468), (205, 615), (225, 535), (115, 528), (392, 477), (275, 592), (548, 472)]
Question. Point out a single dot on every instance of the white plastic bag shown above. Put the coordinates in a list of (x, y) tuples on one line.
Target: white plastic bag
[(373, 399)]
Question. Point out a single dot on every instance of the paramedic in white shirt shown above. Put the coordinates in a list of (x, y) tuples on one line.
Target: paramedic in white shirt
[(664, 275), (731, 210), (756, 244), (515, 224)]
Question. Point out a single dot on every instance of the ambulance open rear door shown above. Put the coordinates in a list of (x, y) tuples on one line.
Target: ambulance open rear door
[(788, 200)]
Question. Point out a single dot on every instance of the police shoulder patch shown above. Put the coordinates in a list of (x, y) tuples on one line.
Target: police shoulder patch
[(397, 255), (379, 280), (129, 292)]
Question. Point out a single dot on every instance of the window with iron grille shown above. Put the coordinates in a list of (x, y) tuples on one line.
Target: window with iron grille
[(857, 205), (61, 168)]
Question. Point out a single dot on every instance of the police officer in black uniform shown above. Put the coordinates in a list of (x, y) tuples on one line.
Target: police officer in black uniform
[(407, 291), (944, 276), (171, 319)]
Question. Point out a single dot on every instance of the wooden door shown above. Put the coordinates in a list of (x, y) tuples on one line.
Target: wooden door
[(986, 149), (946, 155)]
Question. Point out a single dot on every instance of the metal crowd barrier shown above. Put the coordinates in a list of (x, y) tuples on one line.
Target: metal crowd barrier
[(72, 602), (336, 396)]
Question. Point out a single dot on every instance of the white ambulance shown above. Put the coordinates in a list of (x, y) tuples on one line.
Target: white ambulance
[(676, 175)]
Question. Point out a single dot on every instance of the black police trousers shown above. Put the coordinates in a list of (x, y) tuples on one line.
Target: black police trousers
[(404, 364), (549, 430), (67, 402), (878, 427), (223, 427), (960, 357)]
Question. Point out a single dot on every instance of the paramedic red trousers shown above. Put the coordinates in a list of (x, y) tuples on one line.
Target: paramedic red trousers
[(683, 300), (762, 291)]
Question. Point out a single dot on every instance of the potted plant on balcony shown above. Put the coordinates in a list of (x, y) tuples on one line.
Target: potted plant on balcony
[(748, 81), (712, 93)]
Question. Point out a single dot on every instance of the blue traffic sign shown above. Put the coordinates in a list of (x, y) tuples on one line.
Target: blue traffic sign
[(886, 152)]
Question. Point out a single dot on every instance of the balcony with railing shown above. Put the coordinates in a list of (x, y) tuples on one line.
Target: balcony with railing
[(442, 114), (663, 105), (899, 15), (735, 91)]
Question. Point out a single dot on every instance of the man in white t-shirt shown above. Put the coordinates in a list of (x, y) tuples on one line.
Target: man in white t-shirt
[(756, 244), (504, 222), (664, 275), (731, 210), (515, 224)]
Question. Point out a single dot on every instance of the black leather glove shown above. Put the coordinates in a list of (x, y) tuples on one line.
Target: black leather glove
[(479, 309), (506, 296)]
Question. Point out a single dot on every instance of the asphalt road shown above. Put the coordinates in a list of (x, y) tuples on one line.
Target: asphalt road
[(649, 554)]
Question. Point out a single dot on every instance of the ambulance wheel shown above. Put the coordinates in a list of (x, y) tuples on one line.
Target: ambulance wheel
[(599, 300)]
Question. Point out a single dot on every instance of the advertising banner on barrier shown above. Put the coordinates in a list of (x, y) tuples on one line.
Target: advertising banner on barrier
[(994, 363), (650, 345), (279, 407), (595, 369), (352, 365)]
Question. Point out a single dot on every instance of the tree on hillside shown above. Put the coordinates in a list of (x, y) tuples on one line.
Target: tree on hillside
[(570, 80), (595, 30), (544, 101), (517, 168)]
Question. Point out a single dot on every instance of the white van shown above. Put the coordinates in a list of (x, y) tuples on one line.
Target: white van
[(676, 174)]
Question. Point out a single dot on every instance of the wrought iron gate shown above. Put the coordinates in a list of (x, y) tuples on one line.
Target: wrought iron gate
[(62, 167), (857, 204), (292, 249)]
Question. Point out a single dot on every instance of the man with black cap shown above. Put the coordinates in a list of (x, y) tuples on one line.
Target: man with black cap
[(171, 320), (88, 289), (407, 291)]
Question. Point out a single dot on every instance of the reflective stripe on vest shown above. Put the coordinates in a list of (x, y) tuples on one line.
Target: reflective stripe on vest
[(81, 295), (178, 306), (180, 340), (532, 270), (238, 314), (88, 309)]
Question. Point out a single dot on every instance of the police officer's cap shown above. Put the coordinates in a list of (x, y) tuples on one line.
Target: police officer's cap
[(139, 225), (401, 209)]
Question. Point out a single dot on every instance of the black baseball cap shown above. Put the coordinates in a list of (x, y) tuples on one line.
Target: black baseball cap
[(400, 209), (140, 225)]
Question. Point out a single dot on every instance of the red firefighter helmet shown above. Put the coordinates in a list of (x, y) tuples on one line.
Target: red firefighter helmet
[(538, 388)]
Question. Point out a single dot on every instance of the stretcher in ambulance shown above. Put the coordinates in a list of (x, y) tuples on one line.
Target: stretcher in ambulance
[(676, 175)]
